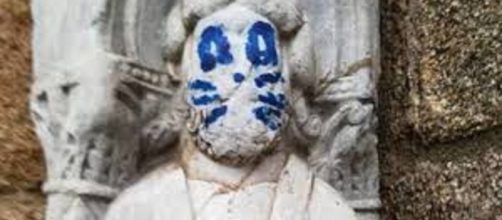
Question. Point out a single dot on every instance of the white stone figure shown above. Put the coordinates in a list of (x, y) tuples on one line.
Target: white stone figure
[(235, 159), (114, 83)]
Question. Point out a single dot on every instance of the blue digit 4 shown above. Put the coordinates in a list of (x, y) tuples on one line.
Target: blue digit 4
[(213, 36)]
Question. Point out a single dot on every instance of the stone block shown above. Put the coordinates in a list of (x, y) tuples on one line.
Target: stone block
[(455, 67)]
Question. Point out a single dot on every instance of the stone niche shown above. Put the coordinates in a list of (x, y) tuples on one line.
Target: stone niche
[(109, 101)]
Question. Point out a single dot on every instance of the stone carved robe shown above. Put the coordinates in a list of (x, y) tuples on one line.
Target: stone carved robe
[(169, 194)]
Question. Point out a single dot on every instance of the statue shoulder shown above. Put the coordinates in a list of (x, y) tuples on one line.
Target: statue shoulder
[(161, 194), (326, 202)]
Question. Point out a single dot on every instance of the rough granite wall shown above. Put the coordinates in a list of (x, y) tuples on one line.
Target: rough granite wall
[(21, 166), (455, 72), (440, 105)]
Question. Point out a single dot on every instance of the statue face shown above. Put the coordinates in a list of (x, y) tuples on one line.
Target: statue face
[(236, 84)]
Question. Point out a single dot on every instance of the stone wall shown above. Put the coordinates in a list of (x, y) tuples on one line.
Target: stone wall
[(440, 105), (21, 165)]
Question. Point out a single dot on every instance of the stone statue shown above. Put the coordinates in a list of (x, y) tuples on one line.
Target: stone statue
[(207, 109), (234, 164)]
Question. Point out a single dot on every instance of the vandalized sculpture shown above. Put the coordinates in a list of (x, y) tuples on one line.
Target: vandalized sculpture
[(235, 165), (196, 109)]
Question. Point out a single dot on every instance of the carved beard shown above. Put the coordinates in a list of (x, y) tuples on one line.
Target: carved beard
[(236, 88)]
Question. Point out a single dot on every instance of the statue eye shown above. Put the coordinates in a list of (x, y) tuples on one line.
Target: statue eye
[(260, 47), (214, 48)]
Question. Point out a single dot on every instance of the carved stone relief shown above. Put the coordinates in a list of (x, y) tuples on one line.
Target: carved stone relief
[(346, 41), (222, 102)]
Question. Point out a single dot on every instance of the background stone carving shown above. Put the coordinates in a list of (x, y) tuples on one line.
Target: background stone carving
[(97, 97), (346, 42)]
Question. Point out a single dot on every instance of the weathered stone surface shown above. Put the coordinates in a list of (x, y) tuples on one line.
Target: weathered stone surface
[(455, 180), (296, 195), (458, 180), (94, 98), (18, 143), (158, 196), (346, 41), (113, 99), (455, 67)]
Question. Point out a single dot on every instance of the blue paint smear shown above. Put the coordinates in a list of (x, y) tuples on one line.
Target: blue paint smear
[(203, 85), (268, 116), (205, 99), (256, 56), (215, 115), (239, 77), (278, 101), (214, 35), (265, 78)]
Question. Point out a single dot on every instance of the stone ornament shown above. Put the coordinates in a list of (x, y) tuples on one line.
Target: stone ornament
[(222, 109)]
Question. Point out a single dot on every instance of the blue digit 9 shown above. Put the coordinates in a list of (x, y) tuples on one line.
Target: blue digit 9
[(261, 56)]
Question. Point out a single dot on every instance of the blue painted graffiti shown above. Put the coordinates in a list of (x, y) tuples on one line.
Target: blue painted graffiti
[(214, 35), (215, 114), (256, 55), (205, 99), (278, 101), (202, 85), (214, 49), (268, 116), (239, 77), (265, 78)]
